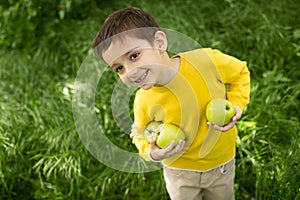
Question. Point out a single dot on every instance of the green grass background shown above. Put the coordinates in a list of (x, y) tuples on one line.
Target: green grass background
[(43, 44)]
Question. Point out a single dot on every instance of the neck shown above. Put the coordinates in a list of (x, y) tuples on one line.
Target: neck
[(169, 72)]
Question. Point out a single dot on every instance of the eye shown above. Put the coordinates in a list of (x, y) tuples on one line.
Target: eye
[(119, 69), (134, 56)]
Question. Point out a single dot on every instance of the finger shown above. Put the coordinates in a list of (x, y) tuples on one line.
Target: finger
[(238, 114), (209, 124), (180, 146), (228, 126), (216, 127), (181, 143), (170, 146), (152, 140), (236, 117), (153, 143)]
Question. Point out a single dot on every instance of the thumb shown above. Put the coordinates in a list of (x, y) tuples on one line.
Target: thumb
[(238, 113), (153, 142)]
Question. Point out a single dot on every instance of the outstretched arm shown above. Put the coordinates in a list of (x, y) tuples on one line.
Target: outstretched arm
[(236, 75)]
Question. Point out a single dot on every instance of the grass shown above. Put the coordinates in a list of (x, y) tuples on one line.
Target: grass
[(42, 156)]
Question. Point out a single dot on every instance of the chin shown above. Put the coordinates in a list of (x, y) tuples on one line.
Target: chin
[(146, 87)]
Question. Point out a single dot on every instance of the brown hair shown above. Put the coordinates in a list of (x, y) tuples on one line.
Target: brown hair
[(124, 20)]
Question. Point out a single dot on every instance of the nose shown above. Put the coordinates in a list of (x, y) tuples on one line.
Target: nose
[(131, 71)]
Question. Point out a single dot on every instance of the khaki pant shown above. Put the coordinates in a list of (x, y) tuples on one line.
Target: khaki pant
[(215, 184)]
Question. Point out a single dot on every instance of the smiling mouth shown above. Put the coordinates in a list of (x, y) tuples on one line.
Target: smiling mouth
[(142, 77)]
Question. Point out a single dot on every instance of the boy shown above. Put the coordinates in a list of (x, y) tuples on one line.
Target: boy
[(176, 90)]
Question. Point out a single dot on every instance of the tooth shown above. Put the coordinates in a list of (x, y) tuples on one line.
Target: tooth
[(141, 78)]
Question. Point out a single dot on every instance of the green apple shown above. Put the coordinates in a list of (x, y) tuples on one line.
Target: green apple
[(168, 133), (219, 111), (152, 129), (164, 133)]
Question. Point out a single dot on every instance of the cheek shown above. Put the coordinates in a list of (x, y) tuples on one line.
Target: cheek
[(124, 80)]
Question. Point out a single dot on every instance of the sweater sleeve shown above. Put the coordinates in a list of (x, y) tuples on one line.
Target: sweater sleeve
[(137, 130), (235, 74)]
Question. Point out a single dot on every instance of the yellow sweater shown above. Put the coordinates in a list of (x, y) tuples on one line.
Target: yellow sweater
[(202, 76)]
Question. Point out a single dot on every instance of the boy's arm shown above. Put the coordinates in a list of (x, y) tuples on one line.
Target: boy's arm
[(140, 141), (138, 127), (148, 149), (235, 74)]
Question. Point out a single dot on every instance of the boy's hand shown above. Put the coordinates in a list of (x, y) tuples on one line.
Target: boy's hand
[(226, 127), (158, 154)]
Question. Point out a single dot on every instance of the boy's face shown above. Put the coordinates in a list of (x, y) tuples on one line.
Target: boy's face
[(137, 62)]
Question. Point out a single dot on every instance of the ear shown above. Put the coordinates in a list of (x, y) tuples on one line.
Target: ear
[(160, 41)]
